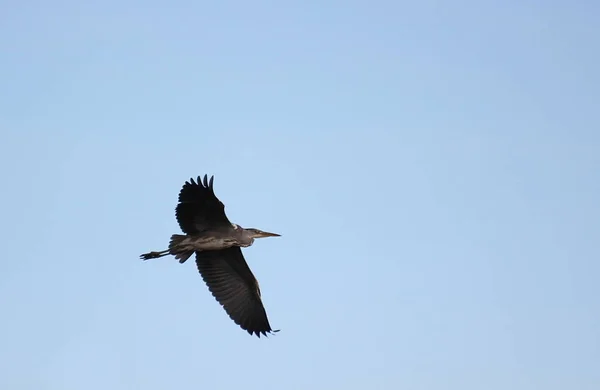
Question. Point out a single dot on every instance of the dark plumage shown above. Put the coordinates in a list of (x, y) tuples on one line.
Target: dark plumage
[(217, 244)]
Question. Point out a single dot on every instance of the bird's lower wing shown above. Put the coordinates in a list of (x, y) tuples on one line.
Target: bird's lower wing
[(232, 283)]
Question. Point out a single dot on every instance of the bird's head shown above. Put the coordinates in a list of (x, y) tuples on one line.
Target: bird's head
[(256, 233)]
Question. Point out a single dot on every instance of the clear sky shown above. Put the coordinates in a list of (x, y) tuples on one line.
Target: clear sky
[(433, 168)]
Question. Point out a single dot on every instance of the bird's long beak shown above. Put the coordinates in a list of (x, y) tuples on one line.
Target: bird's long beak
[(267, 234)]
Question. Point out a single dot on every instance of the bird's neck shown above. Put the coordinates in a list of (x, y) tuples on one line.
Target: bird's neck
[(246, 241)]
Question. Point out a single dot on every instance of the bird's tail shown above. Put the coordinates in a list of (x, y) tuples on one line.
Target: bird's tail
[(181, 255)]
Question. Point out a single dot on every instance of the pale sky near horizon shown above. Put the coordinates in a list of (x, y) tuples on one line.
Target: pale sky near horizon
[(433, 168)]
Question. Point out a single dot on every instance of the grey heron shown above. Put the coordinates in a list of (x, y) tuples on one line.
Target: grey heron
[(217, 244)]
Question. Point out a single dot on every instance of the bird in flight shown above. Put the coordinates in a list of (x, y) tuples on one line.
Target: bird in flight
[(217, 244)]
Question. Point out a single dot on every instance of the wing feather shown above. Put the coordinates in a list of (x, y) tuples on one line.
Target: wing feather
[(199, 208), (233, 285)]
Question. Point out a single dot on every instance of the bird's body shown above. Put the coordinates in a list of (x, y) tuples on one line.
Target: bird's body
[(209, 241), (217, 244)]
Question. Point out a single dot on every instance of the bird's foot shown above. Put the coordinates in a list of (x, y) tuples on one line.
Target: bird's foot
[(152, 255)]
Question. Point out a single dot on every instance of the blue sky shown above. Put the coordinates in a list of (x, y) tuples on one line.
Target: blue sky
[(432, 168)]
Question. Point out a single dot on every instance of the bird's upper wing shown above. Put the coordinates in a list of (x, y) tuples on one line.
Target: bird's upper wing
[(231, 282), (199, 208)]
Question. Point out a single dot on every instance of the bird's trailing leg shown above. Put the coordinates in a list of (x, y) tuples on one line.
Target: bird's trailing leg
[(154, 255)]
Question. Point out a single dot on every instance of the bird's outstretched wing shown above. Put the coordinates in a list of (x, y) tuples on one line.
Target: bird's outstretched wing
[(199, 208), (231, 282)]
